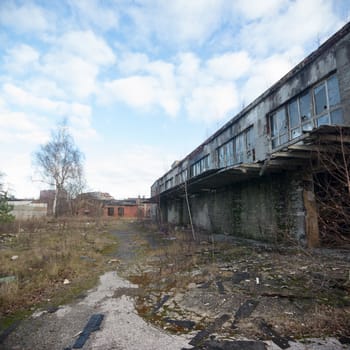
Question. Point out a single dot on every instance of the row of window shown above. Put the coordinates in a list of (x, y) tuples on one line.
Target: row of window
[(238, 150), (200, 166), (316, 107), (110, 211)]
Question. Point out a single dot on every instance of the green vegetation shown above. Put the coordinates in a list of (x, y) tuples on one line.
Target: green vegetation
[(5, 209)]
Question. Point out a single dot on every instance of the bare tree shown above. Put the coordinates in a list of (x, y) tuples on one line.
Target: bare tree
[(332, 188), (60, 164)]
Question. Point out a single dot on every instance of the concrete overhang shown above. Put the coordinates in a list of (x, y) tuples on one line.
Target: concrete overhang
[(292, 156)]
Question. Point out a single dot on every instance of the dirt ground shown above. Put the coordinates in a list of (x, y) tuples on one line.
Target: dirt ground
[(212, 293), (267, 291)]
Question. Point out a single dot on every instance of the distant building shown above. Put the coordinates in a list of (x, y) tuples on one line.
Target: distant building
[(128, 208), (28, 209), (103, 204)]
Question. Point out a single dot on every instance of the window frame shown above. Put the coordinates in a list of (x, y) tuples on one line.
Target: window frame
[(329, 115)]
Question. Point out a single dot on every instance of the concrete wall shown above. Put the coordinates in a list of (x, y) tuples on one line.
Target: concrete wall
[(270, 209), (26, 209)]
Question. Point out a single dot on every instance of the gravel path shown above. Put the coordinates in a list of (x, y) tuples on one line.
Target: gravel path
[(121, 328)]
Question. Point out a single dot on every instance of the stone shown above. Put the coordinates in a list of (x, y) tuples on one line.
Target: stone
[(7, 279)]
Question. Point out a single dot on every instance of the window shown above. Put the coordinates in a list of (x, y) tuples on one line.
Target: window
[(316, 107), (250, 144), (169, 183), (279, 129), (110, 211), (226, 154), (238, 150), (327, 100), (199, 167), (120, 211), (299, 115)]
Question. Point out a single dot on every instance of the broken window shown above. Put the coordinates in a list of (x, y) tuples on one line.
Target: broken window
[(169, 183), (333, 91), (239, 148), (250, 144), (200, 166), (226, 154), (299, 115), (315, 107), (305, 109), (229, 153), (110, 211), (320, 99), (279, 129), (327, 99), (120, 211), (294, 119)]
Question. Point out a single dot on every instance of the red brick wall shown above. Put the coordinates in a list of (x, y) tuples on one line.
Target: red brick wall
[(129, 211)]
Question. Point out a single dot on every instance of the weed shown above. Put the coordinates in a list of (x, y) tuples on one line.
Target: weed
[(41, 255)]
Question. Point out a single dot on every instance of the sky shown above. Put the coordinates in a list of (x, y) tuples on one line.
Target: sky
[(141, 83)]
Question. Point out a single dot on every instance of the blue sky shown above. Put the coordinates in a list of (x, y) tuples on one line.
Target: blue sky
[(141, 82)]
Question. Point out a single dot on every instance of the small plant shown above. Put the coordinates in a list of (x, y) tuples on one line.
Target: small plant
[(5, 209)]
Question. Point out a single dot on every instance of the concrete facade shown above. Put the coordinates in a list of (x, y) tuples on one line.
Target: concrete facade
[(252, 177), (24, 209)]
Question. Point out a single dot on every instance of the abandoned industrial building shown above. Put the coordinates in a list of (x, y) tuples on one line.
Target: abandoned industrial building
[(279, 170)]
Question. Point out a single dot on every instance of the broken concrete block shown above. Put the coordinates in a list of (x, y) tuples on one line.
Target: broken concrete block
[(92, 326)]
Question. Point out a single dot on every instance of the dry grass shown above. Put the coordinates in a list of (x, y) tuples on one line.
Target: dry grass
[(48, 253), (294, 284)]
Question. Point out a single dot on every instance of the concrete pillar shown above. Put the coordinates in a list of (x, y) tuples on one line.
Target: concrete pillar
[(311, 217)]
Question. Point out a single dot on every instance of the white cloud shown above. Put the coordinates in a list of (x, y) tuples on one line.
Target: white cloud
[(20, 58), (93, 12), (74, 74), (86, 45), (131, 62), (25, 18), (229, 66), (44, 87), (79, 115), (18, 170), (75, 61), (205, 89), (133, 172), (265, 72), (154, 85), (178, 21), (211, 103), (137, 91), (254, 9), (20, 126), (295, 24), (188, 65)]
